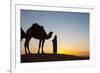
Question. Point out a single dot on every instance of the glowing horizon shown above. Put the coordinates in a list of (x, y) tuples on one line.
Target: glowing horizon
[(67, 51), (60, 51)]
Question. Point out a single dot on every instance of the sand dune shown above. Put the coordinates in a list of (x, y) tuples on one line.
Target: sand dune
[(49, 57)]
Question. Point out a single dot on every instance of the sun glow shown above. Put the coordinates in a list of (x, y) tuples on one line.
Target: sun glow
[(60, 51), (73, 52)]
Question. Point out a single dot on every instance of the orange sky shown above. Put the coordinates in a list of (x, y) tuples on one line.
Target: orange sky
[(62, 49)]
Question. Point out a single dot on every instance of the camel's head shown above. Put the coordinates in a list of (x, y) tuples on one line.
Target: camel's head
[(49, 35)]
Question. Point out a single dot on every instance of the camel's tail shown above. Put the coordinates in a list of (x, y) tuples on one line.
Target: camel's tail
[(23, 34)]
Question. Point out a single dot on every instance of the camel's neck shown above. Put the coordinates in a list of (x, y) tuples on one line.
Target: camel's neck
[(49, 35)]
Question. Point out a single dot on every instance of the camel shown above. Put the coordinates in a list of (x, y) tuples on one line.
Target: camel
[(36, 31)]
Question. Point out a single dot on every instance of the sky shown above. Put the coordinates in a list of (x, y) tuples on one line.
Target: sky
[(71, 28)]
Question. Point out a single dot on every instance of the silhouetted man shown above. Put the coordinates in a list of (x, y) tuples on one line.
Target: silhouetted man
[(55, 45)]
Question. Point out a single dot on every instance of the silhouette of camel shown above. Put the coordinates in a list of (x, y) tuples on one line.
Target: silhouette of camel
[(36, 31)]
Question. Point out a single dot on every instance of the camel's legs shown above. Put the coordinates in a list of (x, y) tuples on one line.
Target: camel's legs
[(27, 45), (43, 45), (28, 49), (39, 46)]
